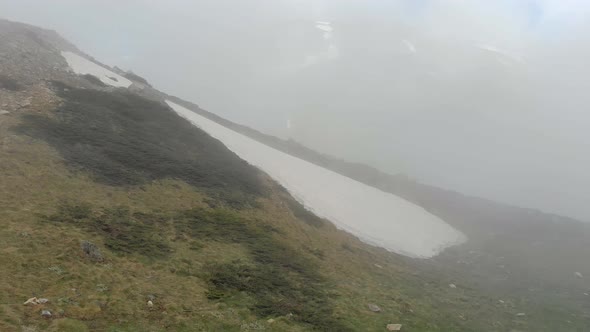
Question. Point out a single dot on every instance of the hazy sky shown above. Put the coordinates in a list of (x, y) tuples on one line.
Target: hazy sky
[(486, 97)]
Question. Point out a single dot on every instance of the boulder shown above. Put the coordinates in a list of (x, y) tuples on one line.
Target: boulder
[(92, 251), (25, 103), (32, 300), (394, 327), (374, 307)]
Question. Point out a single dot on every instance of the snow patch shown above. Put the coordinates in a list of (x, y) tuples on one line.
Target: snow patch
[(493, 49), (409, 45), (83, 66), (376, 217), (326, 27), (323, 27)]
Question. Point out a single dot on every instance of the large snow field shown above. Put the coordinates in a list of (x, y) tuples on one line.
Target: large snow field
[(376, 217)]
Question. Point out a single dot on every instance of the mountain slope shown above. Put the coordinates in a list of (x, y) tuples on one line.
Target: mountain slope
[(509, 249), (175, 218)]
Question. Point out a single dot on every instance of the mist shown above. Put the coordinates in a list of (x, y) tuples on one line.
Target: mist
[(486, 98)]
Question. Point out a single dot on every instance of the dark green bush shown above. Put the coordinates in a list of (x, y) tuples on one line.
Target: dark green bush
[(122, 231), (124, 139)]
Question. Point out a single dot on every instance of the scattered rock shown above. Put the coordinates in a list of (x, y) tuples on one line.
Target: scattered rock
[(452, 286), (501, 301), (520, 314), (102, 288), (46, 313), (374, 307), (92, 251), (151, 297), (29, 329), (3, 112), (579, 275), (32, 300), (270, 321), (25, 103), (378, 266), (394, 327), (586, 294), (150, 304), (56, 269)]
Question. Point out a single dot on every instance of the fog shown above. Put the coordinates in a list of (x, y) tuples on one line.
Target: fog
[(485, 97)]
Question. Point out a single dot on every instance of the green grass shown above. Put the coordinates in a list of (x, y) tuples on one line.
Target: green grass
[(210, 265), (281, 280)]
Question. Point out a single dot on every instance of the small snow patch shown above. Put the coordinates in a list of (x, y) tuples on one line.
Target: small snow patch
[(84, 66), (498, 51), (324, 26), (409, 45)]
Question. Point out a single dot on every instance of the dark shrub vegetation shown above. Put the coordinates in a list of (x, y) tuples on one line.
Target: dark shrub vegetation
[(136, 78), (123, 232), (302, 213), (94, 80), (8, 83), (124, 139), (281, 281)]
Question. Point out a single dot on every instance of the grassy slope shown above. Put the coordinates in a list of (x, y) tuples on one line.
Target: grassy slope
[(511, 251), (302, 259)]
